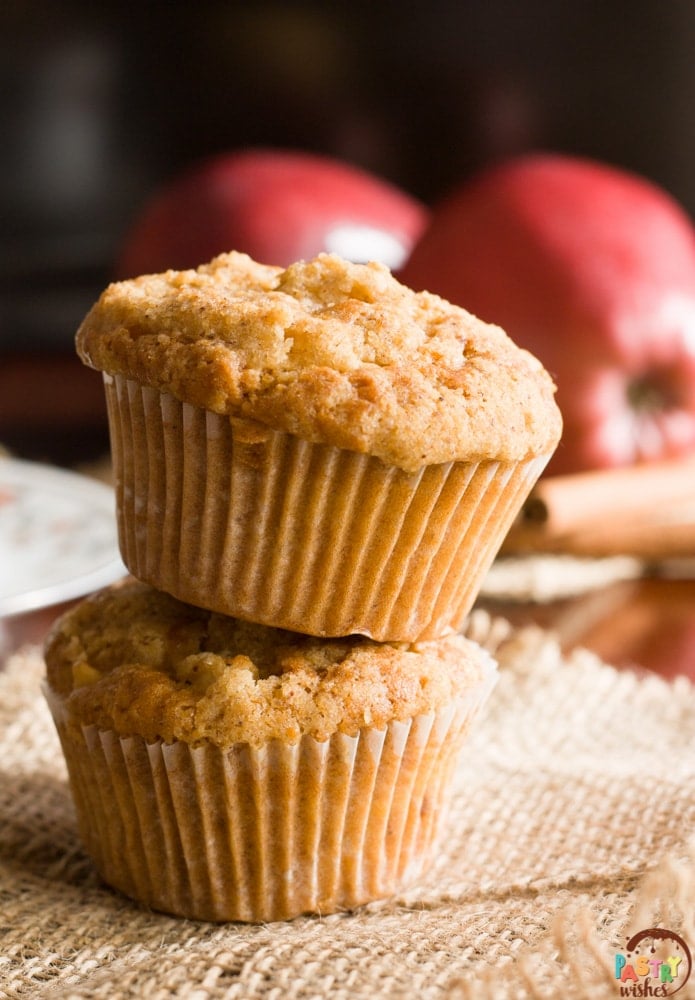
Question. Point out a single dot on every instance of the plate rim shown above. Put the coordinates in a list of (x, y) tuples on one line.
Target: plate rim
[(35, 474)]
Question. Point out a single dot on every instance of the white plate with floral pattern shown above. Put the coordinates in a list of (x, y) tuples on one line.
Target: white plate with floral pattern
[(58, 537)]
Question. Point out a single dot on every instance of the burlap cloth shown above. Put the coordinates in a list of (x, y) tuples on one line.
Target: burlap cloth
[(572, 827)]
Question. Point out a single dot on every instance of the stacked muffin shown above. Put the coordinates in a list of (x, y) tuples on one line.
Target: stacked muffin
[(314, 470)]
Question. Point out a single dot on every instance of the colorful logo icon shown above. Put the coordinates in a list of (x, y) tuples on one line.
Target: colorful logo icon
[(641, 972)]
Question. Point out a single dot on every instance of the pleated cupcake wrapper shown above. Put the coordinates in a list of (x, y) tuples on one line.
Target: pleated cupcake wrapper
[(270, 833), (265, 526)]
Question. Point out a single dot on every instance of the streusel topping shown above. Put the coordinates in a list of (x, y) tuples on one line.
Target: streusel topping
[(135, 660), (334, 352)]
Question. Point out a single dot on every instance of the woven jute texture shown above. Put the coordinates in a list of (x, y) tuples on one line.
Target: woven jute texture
[(571, 828)]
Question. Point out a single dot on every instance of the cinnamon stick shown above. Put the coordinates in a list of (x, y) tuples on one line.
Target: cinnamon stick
[(646, 511)]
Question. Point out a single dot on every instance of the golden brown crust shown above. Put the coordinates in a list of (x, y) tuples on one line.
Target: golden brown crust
[(137, 661), (336, 353)]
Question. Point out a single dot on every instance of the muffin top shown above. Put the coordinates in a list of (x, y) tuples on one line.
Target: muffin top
[(337, 353), (135, 660)]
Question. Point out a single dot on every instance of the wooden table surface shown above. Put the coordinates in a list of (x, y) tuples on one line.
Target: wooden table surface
[(644, 625)]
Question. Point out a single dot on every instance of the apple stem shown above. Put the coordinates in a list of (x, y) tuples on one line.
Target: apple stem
[(648, 394)]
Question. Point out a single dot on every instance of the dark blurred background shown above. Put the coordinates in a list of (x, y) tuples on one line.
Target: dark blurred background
[(100, 104)]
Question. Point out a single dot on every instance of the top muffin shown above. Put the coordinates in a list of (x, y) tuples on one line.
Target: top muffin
[(336, 353)]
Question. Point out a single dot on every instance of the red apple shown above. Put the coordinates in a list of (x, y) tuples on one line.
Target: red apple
[(593, 270), (276, 205)]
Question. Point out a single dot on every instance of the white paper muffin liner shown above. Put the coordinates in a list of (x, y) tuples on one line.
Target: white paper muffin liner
[(270, 833), (264, 526)]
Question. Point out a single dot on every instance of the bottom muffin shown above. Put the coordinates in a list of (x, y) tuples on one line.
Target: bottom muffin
[(228, 771)]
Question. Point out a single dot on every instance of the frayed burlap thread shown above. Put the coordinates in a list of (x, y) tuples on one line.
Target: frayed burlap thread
[(571, 827)]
